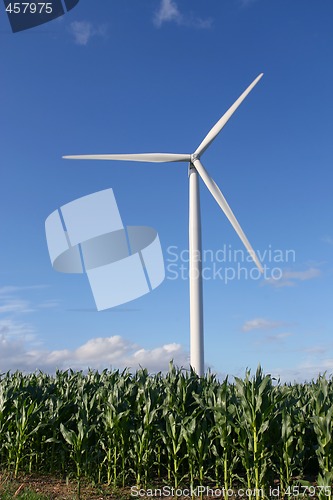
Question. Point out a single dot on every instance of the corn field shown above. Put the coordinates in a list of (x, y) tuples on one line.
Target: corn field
[(123, 429)]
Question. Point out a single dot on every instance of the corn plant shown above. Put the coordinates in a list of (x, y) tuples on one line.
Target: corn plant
[(172, 437), (115, 427), (4, 413), (196, 435), (322, 424), (300, 399), (324, 485), (220, 401), (255, 409), (24, 425), (79, 438), (144, 428), (121, 427), (177, 400)]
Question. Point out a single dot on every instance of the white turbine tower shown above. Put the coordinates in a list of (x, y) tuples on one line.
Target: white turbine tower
[(195, 169)]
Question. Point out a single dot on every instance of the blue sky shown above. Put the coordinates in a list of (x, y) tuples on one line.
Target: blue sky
[(127, 76)]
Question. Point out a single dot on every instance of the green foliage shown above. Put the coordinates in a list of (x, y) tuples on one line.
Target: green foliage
[(126, 429), (256, 410), (25, 495)]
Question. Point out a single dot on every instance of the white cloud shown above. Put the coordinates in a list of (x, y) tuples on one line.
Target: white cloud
[(316, 349), (11, 304), (290, 278), (245, 3), (9, 290), (18, 353), (304, 371), (260, 324), (83, 31), (328, 239), (20, 348), (15, 306), (108, 349), (160, 357), (10, 328), (309, 274), (278, 337), (168, 11)]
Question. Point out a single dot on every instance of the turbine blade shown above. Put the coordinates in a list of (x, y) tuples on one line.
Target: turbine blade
[(148, 157), (223, 120), (215, 191)]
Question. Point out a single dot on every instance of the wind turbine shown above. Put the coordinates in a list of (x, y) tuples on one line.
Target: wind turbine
[(196, 169)]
